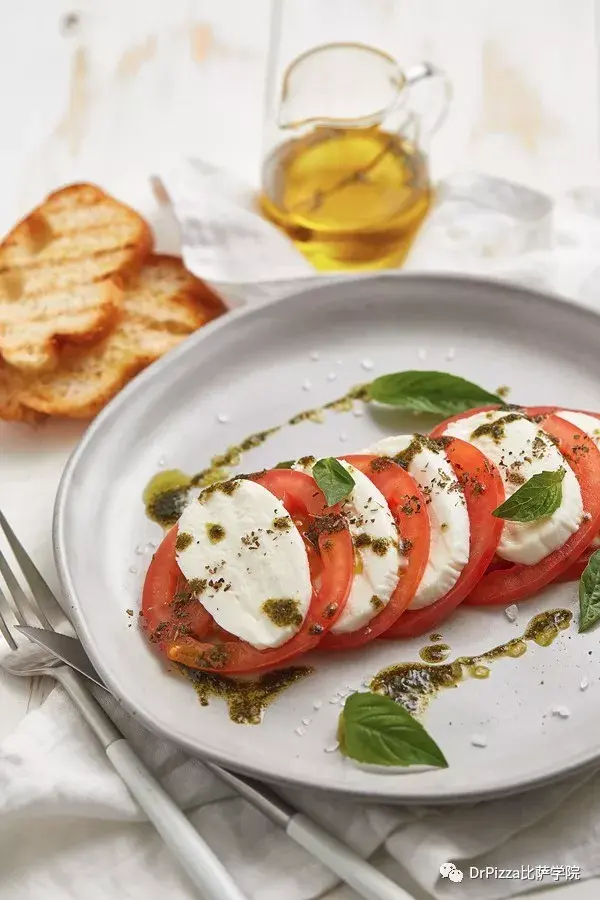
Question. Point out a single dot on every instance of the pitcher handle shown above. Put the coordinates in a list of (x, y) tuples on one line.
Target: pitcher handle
[(422, 71)]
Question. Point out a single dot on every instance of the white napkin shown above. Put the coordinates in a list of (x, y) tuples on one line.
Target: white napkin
[(68, 827), (478, 225)]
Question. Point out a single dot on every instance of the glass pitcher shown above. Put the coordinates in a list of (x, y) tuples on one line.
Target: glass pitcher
[(345, 172)]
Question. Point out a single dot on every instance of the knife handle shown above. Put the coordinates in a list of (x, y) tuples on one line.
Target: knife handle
[(366, 880), (205, 870)]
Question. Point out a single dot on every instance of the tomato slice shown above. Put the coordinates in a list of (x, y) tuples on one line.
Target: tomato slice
[(331, 585), (167, 611), (407, 505), (505, 586), (576, 569), (484, 492), (439, 430)]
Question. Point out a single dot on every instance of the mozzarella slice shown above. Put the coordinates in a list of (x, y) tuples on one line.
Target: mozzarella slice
[(377, 554), (589, 425), (520, 449), (448, 516), (248, 562)]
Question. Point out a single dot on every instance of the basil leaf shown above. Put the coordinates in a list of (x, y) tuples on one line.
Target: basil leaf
[(373, 729), (589, 593), (537, 499), (286, 464), (333, 479), (432, 392)]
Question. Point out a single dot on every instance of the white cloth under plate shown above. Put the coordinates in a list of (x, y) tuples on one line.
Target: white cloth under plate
[(68, 827), (478, 225)]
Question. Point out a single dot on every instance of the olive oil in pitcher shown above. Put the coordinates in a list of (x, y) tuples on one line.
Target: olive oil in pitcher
[(349, 198), (344, 174)]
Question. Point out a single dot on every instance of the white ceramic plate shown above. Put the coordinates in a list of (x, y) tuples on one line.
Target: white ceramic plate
[(252, 365)]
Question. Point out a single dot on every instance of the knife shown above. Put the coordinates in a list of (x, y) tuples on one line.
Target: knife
[(69, 650), (369, 882)]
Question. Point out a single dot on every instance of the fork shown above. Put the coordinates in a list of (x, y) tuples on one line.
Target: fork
[(205, 870), (198, 860)]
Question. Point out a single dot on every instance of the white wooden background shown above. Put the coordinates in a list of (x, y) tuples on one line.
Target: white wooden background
[(112, 91)]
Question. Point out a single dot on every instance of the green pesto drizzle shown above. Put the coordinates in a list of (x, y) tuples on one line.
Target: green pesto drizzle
[(414, 685), (246, 699), (183, 541), (380, 546), (346, 403), (282, 523), (307, 462), (282, 611), (435, 653), (308, 415), (215, 532), (167, 493), (495, 430), (419, 441)]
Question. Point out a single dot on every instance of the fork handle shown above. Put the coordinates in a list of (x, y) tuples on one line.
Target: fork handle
[(205, 870)]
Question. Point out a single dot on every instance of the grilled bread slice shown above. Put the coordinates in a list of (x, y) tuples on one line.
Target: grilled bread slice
[(61, 270), (162, 304)]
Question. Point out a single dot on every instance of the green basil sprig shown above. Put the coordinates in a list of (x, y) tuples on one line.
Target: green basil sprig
[(430, 392), (537, 499), (333, 479), (373, 729), (589, 593)]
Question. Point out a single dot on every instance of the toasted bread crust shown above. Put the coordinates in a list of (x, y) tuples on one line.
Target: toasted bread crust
[(162, 304), (78, 237)]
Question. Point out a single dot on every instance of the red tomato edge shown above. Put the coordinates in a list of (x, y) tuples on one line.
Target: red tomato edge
[(485, 531)]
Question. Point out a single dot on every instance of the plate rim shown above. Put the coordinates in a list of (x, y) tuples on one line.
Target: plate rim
[(489, 285)]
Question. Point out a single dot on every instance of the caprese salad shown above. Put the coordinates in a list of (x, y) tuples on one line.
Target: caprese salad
[(493, 505)]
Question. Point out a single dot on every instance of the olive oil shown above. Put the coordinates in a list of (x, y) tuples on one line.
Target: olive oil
[(415, 684), (349, 198)]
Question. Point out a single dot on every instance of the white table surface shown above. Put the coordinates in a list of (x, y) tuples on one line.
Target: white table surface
[(112, 91)]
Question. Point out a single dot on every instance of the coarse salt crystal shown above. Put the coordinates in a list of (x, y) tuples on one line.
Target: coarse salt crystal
[(338, 362), (561, 712), (306, 385), (133, 569), (223, 418), (161, 462), (300, 731), (139, 550), (306, 721), (317, 704), (511, 612), (331, 376), (343, 437), (358, 412), (451, 354), (367, 364), (422, 354), (314, 355), (479, 740), (332, 748), (335, 699), (584, 684)]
